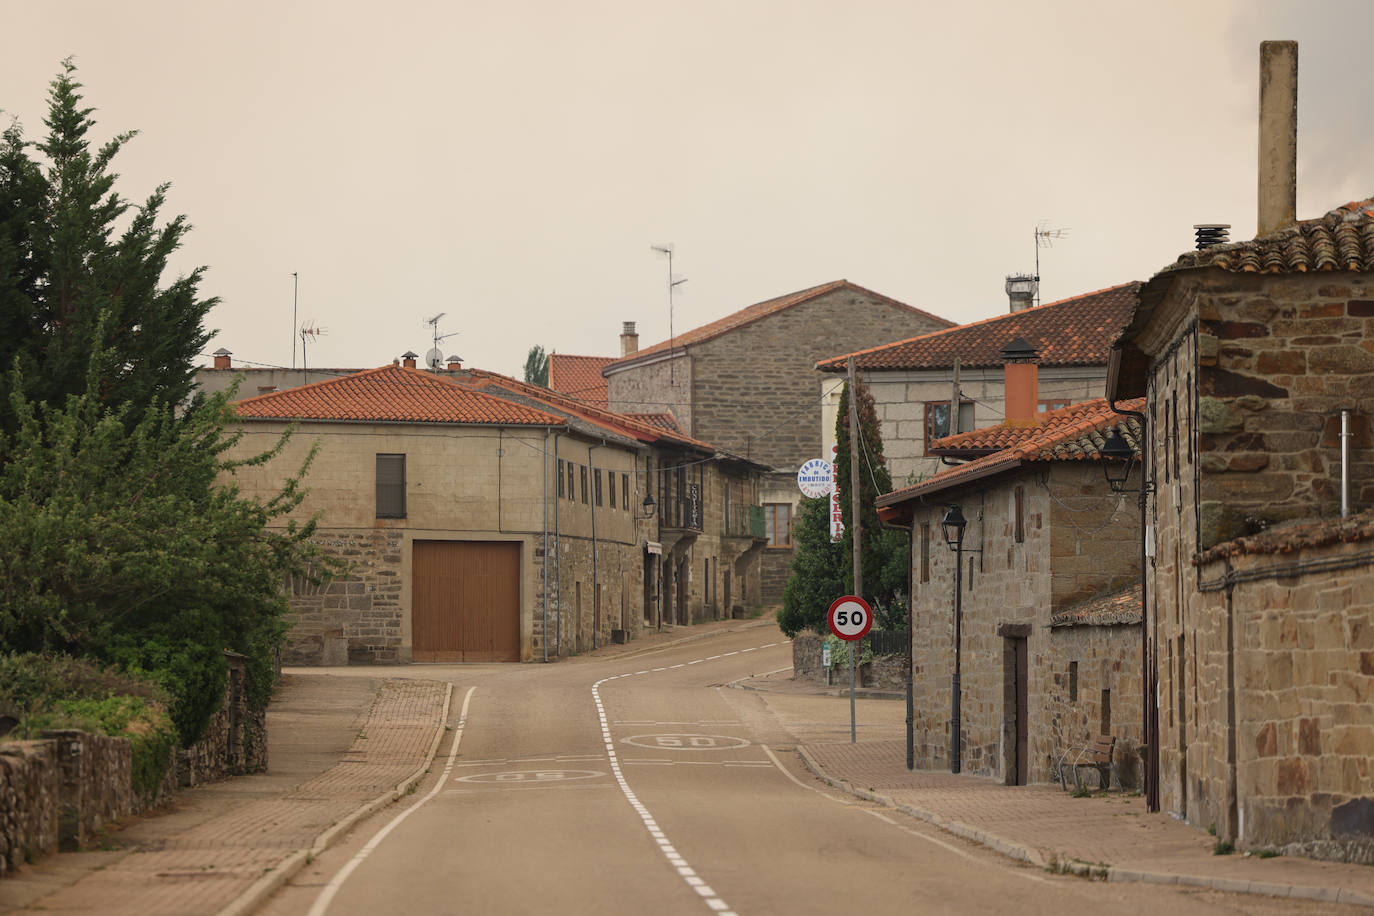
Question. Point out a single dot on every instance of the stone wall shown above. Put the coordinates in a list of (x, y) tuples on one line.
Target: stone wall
[(1302, 659), (1011, 587), (884, 672), (1279, 358), (29, 793), (62, 790), (356, 618)]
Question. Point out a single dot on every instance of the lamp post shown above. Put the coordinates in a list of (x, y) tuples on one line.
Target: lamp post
[(953, 525), (1118, 459)]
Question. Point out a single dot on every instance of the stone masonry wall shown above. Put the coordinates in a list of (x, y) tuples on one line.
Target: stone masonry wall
[(29, 792), (1304, 676), (664, 386), (1279, 359), (1095, 690), (1094, 534), (355, 618)]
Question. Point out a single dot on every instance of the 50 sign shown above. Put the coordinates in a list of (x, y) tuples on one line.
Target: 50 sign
[(850, 617)]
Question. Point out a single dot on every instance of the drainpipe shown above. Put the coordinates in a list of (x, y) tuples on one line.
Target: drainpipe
[(558, 551), (1345, 462), (596, 588), (1149, 711)]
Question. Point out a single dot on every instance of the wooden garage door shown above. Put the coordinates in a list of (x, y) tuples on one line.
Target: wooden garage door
[(465, 600)]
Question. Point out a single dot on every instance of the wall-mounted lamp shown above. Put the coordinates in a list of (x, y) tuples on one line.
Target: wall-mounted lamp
[(953, 525), (1118, 460), (649, 508)]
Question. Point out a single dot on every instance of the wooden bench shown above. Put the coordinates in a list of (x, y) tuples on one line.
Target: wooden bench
[(1100, 756)]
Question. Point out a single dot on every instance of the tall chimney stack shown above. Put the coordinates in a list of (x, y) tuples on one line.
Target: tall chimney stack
[(222, 358), (1022, 383), (629, 340), (1278, 136), (408, 359)]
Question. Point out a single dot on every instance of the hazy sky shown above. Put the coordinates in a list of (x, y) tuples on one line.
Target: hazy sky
[(510, 163)]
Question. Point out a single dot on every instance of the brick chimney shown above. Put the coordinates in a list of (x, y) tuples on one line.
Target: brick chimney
[(629, 339), (455, 363), (1022, 383), (1278, 136), (408, 359), (222, 360)]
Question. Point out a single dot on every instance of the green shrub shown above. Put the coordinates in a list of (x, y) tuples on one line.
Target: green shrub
[(194, 675)]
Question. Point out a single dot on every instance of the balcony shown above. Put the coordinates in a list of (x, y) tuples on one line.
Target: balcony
[(682, 512), (745, 521)]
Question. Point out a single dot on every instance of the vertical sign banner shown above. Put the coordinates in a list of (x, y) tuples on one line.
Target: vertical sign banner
[(836, 523)]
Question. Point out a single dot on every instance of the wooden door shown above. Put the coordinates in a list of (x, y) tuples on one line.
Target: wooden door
[(465, 601), (1022, 714)]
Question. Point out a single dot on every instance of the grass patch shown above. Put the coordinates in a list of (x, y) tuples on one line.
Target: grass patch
[(1223, 848)]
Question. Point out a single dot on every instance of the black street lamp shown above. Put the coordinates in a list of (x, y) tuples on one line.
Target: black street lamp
[(649, 507), (953, 525)]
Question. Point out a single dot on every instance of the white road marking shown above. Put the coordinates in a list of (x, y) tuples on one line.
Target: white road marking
[(327, 894)]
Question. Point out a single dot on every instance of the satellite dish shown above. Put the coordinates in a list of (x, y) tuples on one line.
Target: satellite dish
[(434, 358)]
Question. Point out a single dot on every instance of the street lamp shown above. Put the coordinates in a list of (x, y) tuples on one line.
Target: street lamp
[(953, 525), (1118, 458), (649, 507)]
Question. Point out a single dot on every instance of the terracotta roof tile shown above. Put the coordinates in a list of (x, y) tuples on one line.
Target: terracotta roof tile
[(580, 376), (1121, 607), (1342, 239), (1077, 436), (662, 420), (1071, 332), (761, 310), (1297, 536), (391, 394), (1003, 436)]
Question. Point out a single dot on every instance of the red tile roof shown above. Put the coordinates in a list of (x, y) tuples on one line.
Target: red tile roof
[(761, 310), (1004, 435), (1294, 536), (391, 394), (661, 420), (580, 376), (1121, 607), (1076, 437), (1071, 332), (620, 423), (1342, 239)]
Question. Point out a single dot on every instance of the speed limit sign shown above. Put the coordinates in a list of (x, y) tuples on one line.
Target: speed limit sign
[(850, 617)]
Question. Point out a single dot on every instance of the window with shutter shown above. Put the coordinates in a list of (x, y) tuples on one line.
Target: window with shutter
[(391, 486)]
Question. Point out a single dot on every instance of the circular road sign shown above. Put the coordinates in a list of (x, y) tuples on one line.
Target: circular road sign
[(816, 478), (850, 617)]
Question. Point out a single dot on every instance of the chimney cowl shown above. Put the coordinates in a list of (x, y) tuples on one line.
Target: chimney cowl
[(408, 359), (222, 359), (629, 339), (1209, 234), (455, 363), (1020, 351)]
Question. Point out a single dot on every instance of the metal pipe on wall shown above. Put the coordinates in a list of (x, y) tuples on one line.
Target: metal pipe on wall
[(558, 551), (1345, 462)]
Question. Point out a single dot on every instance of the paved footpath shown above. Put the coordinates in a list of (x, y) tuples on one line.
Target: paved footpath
[(342, 748), (1111, 837)]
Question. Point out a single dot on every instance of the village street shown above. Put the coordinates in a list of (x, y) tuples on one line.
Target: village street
[(643, 783)]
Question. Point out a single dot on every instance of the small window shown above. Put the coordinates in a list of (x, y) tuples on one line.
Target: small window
[(925, 552), (937, 420), (1106, 712), (777, 521), (610, 485), (596, 482), (1073, 682), (582, 471), (391, 486), (1020, 511), (560, 477), (625, 491)]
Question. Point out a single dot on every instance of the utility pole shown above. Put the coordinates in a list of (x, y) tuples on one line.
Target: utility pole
[(856, 525), (954, 402), (295, 297)]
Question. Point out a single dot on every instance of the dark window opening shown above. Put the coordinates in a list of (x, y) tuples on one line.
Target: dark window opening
[(1020, 530), (391, 486), (1073, 682), (937, 420)]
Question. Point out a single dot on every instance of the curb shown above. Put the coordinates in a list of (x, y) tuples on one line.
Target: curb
[(635, 653), (256, 895), (862, 693), (1023, 853)]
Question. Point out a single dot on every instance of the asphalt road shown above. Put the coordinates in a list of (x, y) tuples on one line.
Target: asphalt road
[(645, 784)]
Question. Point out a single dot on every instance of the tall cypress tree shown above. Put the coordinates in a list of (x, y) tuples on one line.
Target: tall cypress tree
[(71, 249), (882, 551)]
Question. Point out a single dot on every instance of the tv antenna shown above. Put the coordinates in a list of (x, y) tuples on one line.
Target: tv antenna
[(309, 332), (435, 357), (295, 296), (1044, 238), (674, 281)]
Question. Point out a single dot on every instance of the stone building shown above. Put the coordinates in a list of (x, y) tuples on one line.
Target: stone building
[(746, 384), (1257, 360), (912, 380), (1047, 640), (460, 503)]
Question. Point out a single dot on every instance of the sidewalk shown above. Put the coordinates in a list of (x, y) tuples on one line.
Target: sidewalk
[(339, 749), (1112, 838)]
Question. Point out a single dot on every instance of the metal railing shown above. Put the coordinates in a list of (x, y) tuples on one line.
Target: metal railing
[(889, 642), (745, 521)]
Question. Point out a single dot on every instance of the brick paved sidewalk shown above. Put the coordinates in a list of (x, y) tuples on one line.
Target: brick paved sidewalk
[(1046, 826), (251, 847)]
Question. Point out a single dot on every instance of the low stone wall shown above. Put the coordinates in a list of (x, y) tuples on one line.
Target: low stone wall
[(59, 792), (885, 672), (29, 785)]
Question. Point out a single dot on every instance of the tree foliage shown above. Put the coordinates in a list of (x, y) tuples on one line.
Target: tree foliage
[(537, 367), (823, 570), (73, 249), (122, 536)]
